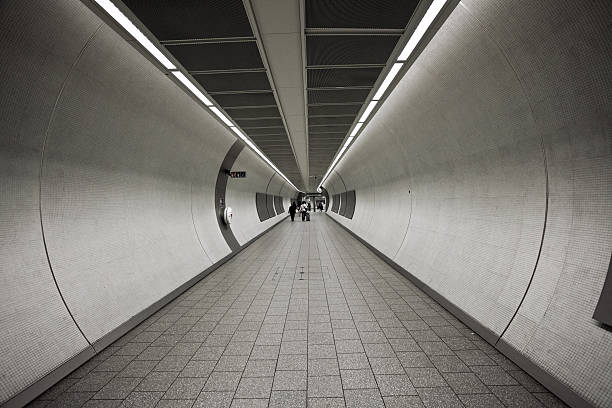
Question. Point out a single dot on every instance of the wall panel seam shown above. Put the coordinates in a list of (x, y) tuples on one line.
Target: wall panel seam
[(194, 225), (544, 162), (40, 174)]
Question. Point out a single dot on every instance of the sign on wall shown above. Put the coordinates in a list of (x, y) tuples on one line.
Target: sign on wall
[(237, 174)]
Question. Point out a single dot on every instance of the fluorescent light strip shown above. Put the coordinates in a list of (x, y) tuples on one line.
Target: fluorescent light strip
[(125, 22), (356, 129), (189, 85), (349, 140), (424, 24), (368, 110), (388, 79), (221, 116), (430, 15)]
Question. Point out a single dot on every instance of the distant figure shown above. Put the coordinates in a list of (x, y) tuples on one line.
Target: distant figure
[(304, 210), (309, 207), (292, 210), (320, 206)]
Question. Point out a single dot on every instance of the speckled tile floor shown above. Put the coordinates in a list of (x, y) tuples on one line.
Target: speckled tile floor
[(305, 316)]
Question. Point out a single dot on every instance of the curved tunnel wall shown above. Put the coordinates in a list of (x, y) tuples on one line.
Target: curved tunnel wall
[(107, 179), (487, 176)]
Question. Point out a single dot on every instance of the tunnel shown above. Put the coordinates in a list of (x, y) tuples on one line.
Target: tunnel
[(151, 153)]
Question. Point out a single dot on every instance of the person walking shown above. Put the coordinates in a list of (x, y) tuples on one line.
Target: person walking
[(292, 210), (303, 210)]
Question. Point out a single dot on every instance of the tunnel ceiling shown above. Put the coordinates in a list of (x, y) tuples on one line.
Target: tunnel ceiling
[(215, 43), (347, 45)]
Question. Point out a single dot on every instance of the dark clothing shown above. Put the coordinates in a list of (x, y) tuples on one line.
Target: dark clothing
[(292, 209)]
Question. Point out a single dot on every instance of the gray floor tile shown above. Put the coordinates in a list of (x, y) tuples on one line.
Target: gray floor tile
[(264, 353), (290, 381), (320, 338), (249, 403), (172, 363), (103, 404), (157, 381), (349, 346), (480, 401), (117, 388), (71, 400), (394, 384), (255, 387), (195, 368), (292, 362), (515, 396), (465, 383), (353, 361), (214, 399), (326, 403), (386, 365), (425, 377), (142, 400), (175, 403), (231, 363), (94, 381), (354, 379), (414, 359), (494, 375), (222, 381), (363, 398), (323, 366), (288, 399), (439, 397), (259, 368), (327, 386), (185, 388), (403, 401), (379, 350)]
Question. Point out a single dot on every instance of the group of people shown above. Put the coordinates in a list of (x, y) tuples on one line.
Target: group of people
[(304, 208)]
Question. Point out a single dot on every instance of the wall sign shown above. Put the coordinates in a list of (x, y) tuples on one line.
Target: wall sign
[(237, 174)]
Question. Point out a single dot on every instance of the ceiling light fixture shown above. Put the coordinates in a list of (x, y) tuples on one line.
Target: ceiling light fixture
[(388, 79), (221, 116), (428, 18), (356, 129), (430, 15), (125, 22), (368, 110), (194, 90)]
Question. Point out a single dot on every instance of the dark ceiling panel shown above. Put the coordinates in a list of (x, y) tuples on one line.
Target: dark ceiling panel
[(328, 129), (318, 78), (257, 123), (334, 110), (267, 131), (217, 56), (243, 113), (238, 81), (327, 136), (191, 19), (245, 99), (332, 120), (359, 13), (349, 49), (338, 96)]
